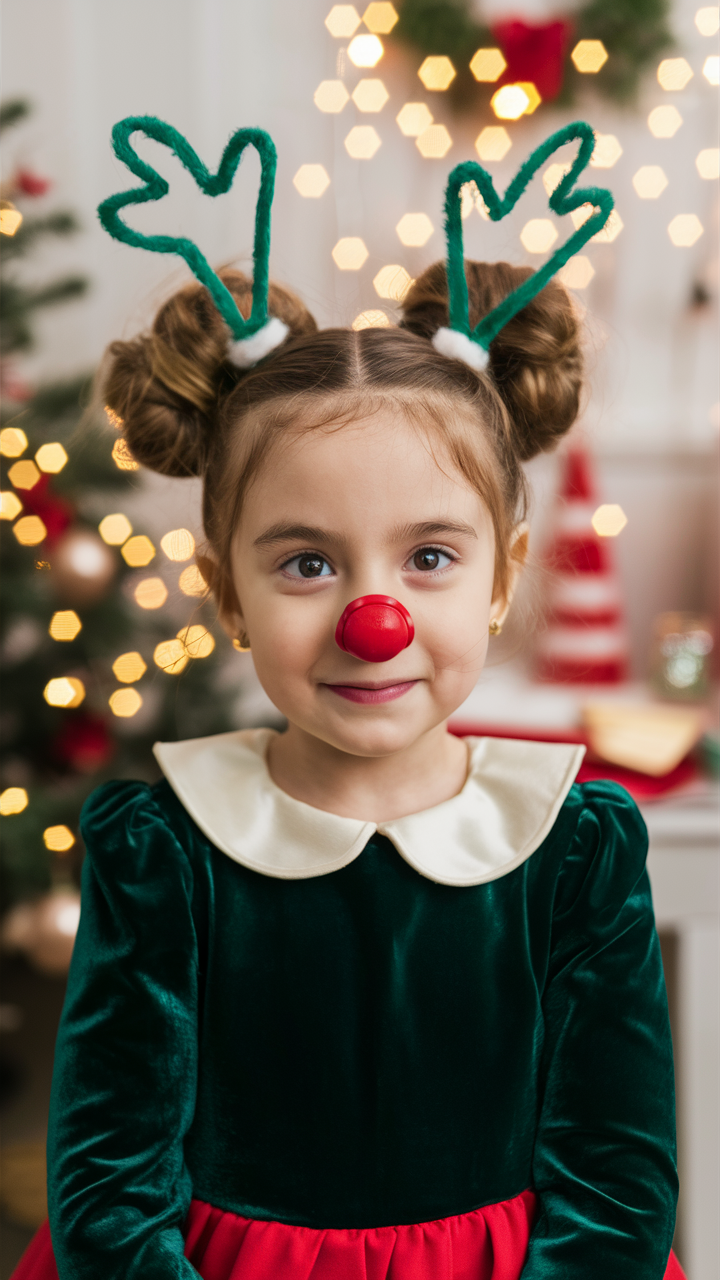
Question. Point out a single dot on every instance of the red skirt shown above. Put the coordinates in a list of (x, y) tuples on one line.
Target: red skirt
[(487, 1244)]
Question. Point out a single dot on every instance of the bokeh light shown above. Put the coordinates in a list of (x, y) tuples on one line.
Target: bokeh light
[(51, 458), (191, 581), (171, 657), (150, 593), (129, 667), (29, 531), (311, 180), (577, 273), (10, 505), (533, 96), (13, 800), (115, 529), (331, 96), (707, 20), (607, 151), (13, 442), (707, 163), (123, 458), (197, 640), (589, 56), (65, 625), (538, 235), (650, 181), (685, 229), (414, 229), (350, 253), (437, 73), (64, 691), (125, 702), (711, 69), (371, 320), (392, 282), (553, 176), (343, 21), (138, 551), (674, 73), (370, 95), (664, 122), (362, 142), (434, 142), (58, 839), (609, 520), (10, 219), (487, 65), (493, 142), (510, 102), (113, 418), (365, 51), (24, 475), (178, 544), (380, 17), (414, 118), (608, 233)]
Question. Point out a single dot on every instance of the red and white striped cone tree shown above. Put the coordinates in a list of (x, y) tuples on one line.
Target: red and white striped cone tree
[(585, 640)]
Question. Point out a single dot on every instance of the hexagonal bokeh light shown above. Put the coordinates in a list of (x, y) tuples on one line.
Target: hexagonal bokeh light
[(589, 56), (178, 544), (434, 142), (685, 229), (365, 51), (487, 65), (437, 73), (138, 551), (59, 838), (125, 702), (129, 667), (664, 122), (64, 691), (414, 118), (392, 282), (707, 163), (10, 505), (553, 175), (577, 272), (380, 17), (150, 593), (350, 253), (533, 96), (607, 151), (370, 95), (198, 641), (711, 69), (13, 800), (606, 234), (13, 442), (115, 529), (331, 96), (674, 73), (29, 531), (414, 229), (493, 142), (510, 102), (371, 320), (24, 475), (343, 21), (64, 625), (311, 181), (707, 20), (650, 181), (362, 142), (191, 582), (51, 458), (538, 235), (609, 520), (170, 656)]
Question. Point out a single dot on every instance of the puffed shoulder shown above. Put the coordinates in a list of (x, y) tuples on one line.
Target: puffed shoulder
[(606, 856), (131, 836)]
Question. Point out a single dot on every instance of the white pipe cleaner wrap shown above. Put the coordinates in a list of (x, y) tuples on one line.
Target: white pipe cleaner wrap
[(457, 346), (246, 352)]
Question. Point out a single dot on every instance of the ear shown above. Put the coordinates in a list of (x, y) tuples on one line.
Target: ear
[(517, 555), (229, 611)]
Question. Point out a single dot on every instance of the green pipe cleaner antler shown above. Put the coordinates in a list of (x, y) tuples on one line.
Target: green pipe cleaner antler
[(213, 184), (563, 200)]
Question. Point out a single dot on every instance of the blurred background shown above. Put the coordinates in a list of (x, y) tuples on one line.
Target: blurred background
[(107, 642)]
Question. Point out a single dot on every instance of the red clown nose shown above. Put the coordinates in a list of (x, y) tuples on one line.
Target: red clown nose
[(374, 628)]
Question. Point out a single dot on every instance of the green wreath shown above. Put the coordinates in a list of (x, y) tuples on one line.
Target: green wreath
[(634, 33)]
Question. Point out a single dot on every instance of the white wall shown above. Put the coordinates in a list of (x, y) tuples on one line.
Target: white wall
[(209, 66)]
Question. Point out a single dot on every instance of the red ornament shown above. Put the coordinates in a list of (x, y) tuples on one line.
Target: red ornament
[(31, 184), (84, 743), (374, 628), (55, 512), (534, 54)]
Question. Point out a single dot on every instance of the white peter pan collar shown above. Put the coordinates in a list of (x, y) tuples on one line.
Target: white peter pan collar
[(509, 803)]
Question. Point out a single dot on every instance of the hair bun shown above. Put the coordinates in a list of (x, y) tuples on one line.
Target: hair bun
[(536, 360), (167, 385)]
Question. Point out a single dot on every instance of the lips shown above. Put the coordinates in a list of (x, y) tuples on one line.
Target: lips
[(372, 694)]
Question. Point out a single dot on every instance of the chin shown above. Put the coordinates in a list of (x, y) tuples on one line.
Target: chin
[(375, 738)]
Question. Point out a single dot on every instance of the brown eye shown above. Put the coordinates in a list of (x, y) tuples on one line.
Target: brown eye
[(426, 559), (310, 566)]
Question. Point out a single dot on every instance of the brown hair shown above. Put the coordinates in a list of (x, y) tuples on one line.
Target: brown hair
[(187, 411)]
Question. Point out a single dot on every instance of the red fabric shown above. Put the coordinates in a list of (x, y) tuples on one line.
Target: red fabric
[(534, 53), (488, 1244)]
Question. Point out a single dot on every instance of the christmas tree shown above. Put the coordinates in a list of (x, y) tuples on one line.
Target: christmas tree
[(94, 667)]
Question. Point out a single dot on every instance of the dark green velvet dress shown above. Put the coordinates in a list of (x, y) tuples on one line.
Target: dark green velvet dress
[(362, 1048)]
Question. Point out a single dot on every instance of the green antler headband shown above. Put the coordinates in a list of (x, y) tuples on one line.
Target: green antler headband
[(259, 334), (458, 340)]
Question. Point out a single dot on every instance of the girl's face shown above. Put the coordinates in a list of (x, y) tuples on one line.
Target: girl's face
[(363, 510)]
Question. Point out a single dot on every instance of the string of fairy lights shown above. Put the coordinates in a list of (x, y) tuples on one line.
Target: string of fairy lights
[(509, 103)]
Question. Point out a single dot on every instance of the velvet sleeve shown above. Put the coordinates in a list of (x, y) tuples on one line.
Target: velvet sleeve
[(124, 1080), (604, 1160)]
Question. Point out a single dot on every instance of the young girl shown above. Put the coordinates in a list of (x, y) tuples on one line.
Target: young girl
[(361, 999)]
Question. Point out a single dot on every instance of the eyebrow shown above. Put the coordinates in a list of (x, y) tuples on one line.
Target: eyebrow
[(432, 529), (287, 532)]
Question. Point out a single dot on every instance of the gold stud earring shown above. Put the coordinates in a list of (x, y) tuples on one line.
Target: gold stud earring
[(495, 627), (242, 642)]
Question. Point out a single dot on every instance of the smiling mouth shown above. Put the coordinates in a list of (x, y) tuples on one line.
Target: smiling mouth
[(372, 693)]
